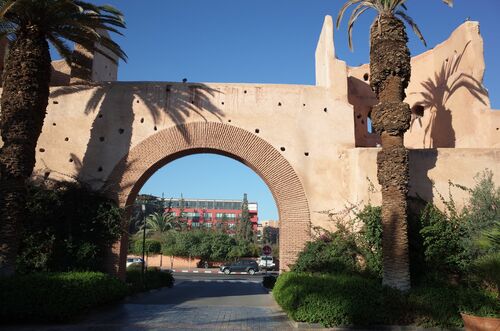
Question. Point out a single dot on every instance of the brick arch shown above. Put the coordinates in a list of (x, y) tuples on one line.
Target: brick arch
[(154, 152)]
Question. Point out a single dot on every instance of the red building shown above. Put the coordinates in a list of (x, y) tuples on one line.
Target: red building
[(222, 214)]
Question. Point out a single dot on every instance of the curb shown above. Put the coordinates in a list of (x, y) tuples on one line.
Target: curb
[(211, 272), (317, 326)]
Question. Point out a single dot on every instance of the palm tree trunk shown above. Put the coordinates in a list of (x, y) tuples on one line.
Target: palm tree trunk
[(24, 102), (390, 74)]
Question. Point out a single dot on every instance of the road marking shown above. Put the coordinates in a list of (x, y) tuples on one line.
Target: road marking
[(208, 272)]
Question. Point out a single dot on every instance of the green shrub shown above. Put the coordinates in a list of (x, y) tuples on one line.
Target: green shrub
[(487, 268), (336, 300), (268, 281), (152, 246), (49, 297), (67, 227), (439, 305), (154, 278), (340, 300), (370, 239), (331, 253)]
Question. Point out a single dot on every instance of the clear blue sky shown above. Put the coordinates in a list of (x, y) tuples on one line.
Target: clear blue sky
[(266, 41)]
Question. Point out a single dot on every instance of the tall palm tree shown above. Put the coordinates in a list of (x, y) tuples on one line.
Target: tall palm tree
[(30, 25), (390, 71), (157, 224)]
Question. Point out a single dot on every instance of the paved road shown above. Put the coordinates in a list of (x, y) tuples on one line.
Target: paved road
[(196, 302)]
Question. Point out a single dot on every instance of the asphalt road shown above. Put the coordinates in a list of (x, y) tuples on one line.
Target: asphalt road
[(196, 302)]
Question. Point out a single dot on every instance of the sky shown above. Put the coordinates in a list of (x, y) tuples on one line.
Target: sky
[(262, 41)]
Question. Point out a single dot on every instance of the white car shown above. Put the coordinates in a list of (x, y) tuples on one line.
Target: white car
[(134, 261), (266, 262)]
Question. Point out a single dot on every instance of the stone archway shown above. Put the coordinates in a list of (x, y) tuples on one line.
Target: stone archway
[(167, 145)]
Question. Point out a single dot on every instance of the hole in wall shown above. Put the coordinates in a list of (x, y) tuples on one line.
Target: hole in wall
[(366, 76), (66, 139), (155, 128), (46, 175), (257, 130), (282, 149), (54, 124), (136, 101), (245, 91), (306, 153), (42, 150), (229, 121), (358, 116), (55, 102), (418, 110), (99, 169), (70, 160), (222, 102), (101, 139), (100, 116), (279, 104), (142, 120), (121, 131), (303, 105), (325, 110)]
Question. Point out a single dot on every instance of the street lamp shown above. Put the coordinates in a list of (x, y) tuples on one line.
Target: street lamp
[(143, 208)]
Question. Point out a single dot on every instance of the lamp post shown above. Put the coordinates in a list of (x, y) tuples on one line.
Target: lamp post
[(143, 208)]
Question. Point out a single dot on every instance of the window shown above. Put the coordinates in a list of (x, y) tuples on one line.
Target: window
[(208, 225), (207, 216), (195, 224)]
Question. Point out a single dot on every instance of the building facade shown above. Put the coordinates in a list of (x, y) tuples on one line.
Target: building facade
[(210, 213)]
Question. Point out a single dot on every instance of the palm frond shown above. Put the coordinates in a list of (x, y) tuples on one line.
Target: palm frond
[(413, 25)]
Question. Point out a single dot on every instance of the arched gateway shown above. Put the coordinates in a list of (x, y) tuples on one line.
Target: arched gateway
[(204, 137), (309, 143)]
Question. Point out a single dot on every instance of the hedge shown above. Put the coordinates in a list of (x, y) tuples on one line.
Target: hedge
[(346, 300), (154, 278), (56, 297)]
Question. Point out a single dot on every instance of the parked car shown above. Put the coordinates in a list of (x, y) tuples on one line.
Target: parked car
[(135, 261), (249, 266), (266, 262)]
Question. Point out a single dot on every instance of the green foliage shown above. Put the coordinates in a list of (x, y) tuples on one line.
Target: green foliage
[(336, 300), (152, 246), (244, 230), (50, 297), (487, 268), (442, 235), (332, 253), (440, 304), (341, 300), (370, 238), (67, 227), (153, 278), (207, 245)]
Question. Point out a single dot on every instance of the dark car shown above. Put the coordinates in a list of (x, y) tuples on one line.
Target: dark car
[(248, 266)]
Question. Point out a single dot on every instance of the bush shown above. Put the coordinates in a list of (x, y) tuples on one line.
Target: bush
[(331, 253), (67, 227), (151, 246), (370, 240), (154, 278), (340, 300), (439, 305), (56, 297), (337, 300), (268, 281)]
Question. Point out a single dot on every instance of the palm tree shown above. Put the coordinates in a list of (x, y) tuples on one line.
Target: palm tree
[(157, 224), (390, 71), (30, 25)]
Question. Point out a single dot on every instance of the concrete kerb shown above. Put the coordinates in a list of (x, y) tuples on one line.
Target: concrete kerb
[(317, 326)]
